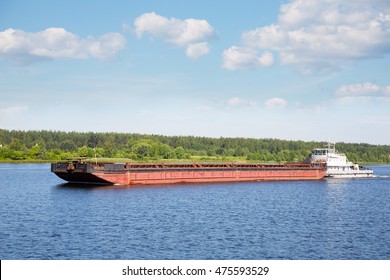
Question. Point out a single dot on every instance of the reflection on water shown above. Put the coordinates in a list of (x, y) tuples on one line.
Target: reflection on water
[(82, 186)]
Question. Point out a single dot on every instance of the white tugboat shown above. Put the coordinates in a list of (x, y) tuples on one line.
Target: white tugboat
[(338, 165)]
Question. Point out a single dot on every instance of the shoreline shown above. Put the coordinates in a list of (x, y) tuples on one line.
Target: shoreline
[(211, 160)]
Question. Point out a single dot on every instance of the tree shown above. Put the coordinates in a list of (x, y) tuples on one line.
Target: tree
[(5, 152), (211, 152), (84, 151), (92, 140), (109, 150), (15, 145), (165, 151), (37, 152), (68, 145), (56, 144), (180, 153), (141, 150)]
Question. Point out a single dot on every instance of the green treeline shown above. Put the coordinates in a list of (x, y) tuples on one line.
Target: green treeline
[(57, 145)]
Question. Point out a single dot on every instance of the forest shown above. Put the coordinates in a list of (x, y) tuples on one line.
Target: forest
[(44, 145)]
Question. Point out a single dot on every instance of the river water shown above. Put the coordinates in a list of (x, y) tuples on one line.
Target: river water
[(43, 218)]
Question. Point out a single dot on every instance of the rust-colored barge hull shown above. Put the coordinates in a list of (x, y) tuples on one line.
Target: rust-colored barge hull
[(149, 174)]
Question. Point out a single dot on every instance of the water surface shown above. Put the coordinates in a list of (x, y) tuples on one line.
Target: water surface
[(43, 218)]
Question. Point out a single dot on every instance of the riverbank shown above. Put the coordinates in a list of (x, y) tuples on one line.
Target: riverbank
[(191, 159), (49, 146)]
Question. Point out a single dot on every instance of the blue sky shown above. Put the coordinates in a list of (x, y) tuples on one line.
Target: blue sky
[(300, 69)]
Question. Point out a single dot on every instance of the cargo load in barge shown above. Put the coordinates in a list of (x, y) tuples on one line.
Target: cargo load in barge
[(172, 173)]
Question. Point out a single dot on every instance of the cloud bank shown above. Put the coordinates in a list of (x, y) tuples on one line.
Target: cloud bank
[(192, 34), (317, 35), (25, 47), (362, 92)]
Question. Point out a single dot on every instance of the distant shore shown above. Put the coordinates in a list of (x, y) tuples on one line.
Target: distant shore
[(119, 160), (51, 146)]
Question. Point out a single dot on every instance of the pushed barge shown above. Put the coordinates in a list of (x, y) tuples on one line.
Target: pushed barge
[(171, 173)]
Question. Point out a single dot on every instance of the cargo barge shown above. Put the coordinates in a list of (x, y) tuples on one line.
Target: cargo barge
[(172, 173)]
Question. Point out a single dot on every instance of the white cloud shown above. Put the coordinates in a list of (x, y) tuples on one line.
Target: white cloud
[(362, 92), (197, 50), (24, 47), (192, 34), (276, 103), (324, 34), (239, 102), (243, 58), (7, 111)]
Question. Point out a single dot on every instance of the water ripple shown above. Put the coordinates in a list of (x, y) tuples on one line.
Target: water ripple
[(41, 218)]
